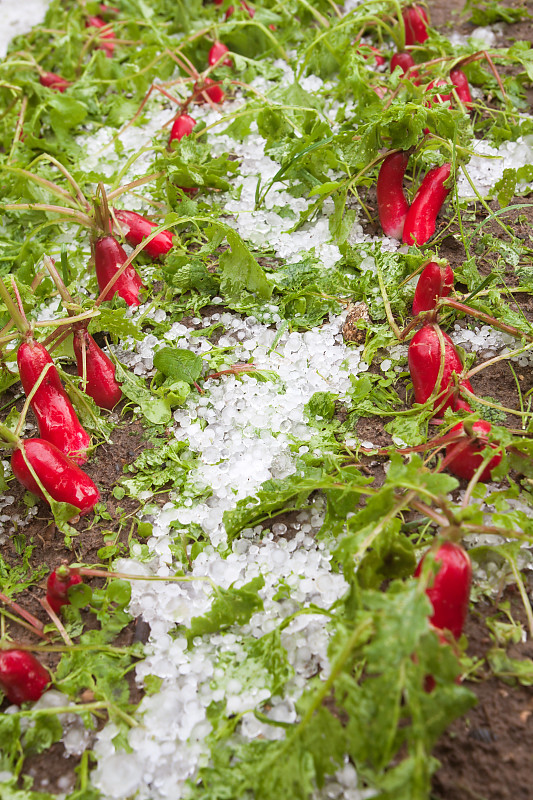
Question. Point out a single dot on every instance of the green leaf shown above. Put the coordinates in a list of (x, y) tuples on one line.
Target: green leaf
[(159, 466), (179, 364), (321, 404), (114, 321), (80, 595), (270, 499), (10, 735), (487, 12), (506, 187), (155, 409), (119, 592), (230, 607), (510, 670), (43, 732), (240, 271), (270, 653)]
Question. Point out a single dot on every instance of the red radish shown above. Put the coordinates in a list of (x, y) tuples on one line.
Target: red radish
[(109, 10), (468, 460), (182, 126), (108, 258), (392, 205), (53, 81), (22, 677), (460, 81), (421, 218), (32, 358), (136, 228), (51, 405), (405, 61), (424, 359), (107, 36), (434, 282), (216, 53), (415, 20), (449, 592), (100, 371), (438, 98), (64, 481), (363, 49), (212, 90), (57, 586), (245, 7)]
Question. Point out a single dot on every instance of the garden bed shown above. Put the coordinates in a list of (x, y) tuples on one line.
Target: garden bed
[(260, 634)]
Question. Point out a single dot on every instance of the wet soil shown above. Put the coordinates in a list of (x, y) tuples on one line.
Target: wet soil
[(488, 753)]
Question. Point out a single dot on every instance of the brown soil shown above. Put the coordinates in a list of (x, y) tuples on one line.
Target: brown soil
[(488, 753)]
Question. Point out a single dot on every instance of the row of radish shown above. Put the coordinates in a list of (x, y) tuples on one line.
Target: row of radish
[(24, 679), (432, 359), (49, 466), (434, 364), (22, 676), (435, 367), (392, 205), (415, 223)]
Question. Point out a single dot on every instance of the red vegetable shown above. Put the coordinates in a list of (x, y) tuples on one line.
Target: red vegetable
[(57, 586), (424, 359), (110, 11), (468, 460), (182, 126), (438, 98), (416, 25), (212, 90), (434, 282), (108, 258), (245, 7), (107, 36), (460, 81), (449, 592), (51, 405), (53, 81), (374, 52), (64, 481), (405, 61), (422, 215), (136, 228), (392, 205), (100, 371), (215, 54), (22, 676)]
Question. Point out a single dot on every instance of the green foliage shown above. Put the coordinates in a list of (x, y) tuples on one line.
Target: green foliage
[(229, 607), (507, 185), (179, 364), (371, 706), (487, 12), (155, 409), (240, 271), (165, 465)]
